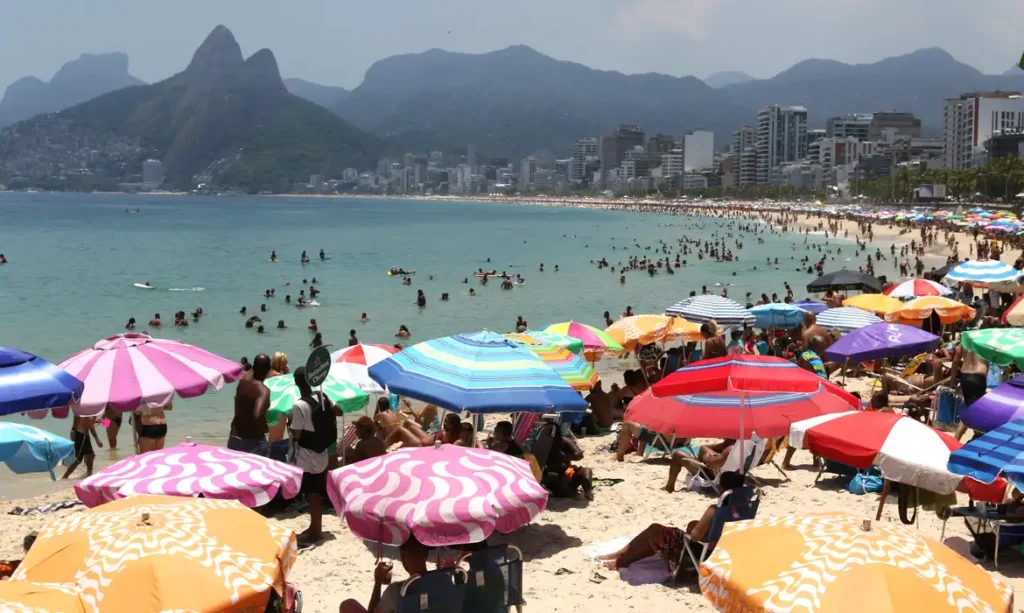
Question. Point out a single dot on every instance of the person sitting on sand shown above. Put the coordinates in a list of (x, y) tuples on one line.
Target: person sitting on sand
[(155, 322), (467, 436), (502, 440), (667, 541), (367, 446), (601, 406), (712, 456), (413, 555), (563, 478)]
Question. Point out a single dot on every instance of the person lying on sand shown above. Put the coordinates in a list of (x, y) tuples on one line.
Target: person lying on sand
[(667, 541)]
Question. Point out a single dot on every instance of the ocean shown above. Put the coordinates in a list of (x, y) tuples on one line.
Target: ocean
[(74, 260)]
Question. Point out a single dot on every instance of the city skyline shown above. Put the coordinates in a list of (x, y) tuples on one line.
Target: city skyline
[(324, 42)]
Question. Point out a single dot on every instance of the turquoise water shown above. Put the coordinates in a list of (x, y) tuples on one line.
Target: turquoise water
[(74, 260)]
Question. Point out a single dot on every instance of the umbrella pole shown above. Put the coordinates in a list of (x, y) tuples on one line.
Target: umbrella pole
[(743, 458), (881, 501)]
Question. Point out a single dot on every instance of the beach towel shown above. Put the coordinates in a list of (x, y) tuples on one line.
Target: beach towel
[(46, 508), (606, 482), (650, 570)]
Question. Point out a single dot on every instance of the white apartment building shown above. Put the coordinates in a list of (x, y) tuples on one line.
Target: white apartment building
[(672, 163), (585, 148), (527, 172), (744, 147), (842, 151), (698, 150), (971, 120), (856, 125), (781, 138)]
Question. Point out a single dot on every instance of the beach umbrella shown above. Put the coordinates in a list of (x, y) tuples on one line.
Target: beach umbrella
[(846, 319), (879, 304), (906, 450), (881, 340), (738, 373), (830, 562), (982, 272), (919, 309), (706, 307), (777, 315), (26, 449), (1000, 405), (128, 370), (940, 273), (28, 383), (190, 469), (29, 597), (915, 288), (844, 280), (572, 368), (732, 414), (284, 393), (352, 363), (1000, 451), (639, 330), (811, 305), (479, 372), (593, 339), (148, 554), (543, 337), (1014, 314), (445, 495), (1004, 346)]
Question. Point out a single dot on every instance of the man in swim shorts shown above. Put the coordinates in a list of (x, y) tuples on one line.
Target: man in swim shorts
[(252, 399)]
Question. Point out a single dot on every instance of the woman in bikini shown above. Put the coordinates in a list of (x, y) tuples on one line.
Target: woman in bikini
[(152, 427)]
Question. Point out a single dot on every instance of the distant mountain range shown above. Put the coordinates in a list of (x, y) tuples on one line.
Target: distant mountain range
[(326, 96), (77, 81), (727, 77), (225, 116)]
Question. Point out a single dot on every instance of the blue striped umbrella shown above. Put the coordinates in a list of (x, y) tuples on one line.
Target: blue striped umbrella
[(704, 308), (999, 451), (846, 319), (28, 383), (26, 449), (982, 271), (811, 305), (778, 315), (480, 372)]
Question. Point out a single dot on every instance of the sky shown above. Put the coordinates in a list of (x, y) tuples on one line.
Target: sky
[(334, 42)]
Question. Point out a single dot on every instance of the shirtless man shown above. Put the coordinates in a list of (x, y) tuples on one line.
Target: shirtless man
[(81, 429), (368, 446), (601, 406), (155, 322), (252, 399), (971, 371), (811, 329)]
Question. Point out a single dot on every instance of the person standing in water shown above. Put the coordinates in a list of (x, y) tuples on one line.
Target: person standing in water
[(81, 429), (421, 300)]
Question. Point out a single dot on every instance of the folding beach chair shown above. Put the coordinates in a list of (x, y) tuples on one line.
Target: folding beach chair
[(522, 426), (753, 451), (774, 447), (495, 580), (438, 591), (733, 505), (350, 438)]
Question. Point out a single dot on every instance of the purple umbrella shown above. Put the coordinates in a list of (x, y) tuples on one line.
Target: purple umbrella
[(884, 340), (1002, 405), (811, 305)]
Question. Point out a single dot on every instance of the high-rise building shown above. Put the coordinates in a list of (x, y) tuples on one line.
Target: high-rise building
[(842, 151), (698, 150), (585, 148), (615, 145), (672, 163), (744, 147), (527, 172), (972, 119), (471, 157), (152, 174), (661, 143), (436, 157), (781, 138), (888, 125), (857, 125)]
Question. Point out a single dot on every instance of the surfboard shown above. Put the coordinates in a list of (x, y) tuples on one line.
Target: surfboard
[(144, 286)]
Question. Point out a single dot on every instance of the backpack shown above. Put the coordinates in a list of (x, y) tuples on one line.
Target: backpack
[(325, 426)]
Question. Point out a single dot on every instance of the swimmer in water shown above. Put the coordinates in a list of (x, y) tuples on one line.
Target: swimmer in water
[(312, 327), (280, 324), (364, 318), (155, 322), (3, 259), (131, 324), (273, 255), (472, 292), (403, 332), (421, 300), (322, 257), (241, 311)]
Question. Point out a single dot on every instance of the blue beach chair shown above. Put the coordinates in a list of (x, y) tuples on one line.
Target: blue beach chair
[(733, 505), (438, 591), (495, 580)]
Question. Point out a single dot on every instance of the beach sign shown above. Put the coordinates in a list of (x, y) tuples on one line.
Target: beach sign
[(318, 365)]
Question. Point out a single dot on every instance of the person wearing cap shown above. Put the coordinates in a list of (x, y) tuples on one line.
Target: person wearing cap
[(368, 446)]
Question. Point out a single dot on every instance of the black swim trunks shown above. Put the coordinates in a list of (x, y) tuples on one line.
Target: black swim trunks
[(973, 387), (83, 444), (156, 431)]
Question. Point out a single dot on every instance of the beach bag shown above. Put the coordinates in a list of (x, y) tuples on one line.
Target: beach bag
[(867, 482), (325, 426)]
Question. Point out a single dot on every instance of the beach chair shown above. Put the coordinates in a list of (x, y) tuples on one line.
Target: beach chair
[(753, 451), (774, 447), (437, 591), (523, 426), (733, 505), (495, 580)]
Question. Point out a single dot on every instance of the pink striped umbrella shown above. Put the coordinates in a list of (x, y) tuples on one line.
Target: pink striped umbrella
[(193, 470), (444, 495), (352, 363), (129, 370)]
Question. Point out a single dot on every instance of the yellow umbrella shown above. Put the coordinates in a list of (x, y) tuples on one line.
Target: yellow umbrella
[(160, 553), (880, 304), (647, 329), (28, 597), (827, 563), (919, 309)]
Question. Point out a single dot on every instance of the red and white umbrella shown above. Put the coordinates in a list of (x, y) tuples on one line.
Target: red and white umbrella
[(1014, 315), (352, 363), (917, 287), (906, 450)]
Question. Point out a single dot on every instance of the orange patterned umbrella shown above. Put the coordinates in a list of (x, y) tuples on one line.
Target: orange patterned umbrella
[(28, 597), (647, 329), (917, 310), (161, 553), (827, 563)]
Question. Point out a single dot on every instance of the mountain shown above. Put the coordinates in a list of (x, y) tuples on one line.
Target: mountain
[(326, 96), (917, 82), (77, 81), (1013, 71), (727, 77), (224, 120), (516, 100)]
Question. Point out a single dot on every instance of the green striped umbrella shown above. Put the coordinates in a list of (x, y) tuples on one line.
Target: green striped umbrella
[(543, 337), (593, 339), (284, 393), (572, 368), (1003, 346)]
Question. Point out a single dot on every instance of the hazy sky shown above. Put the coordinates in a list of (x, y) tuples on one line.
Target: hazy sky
[(335, 41)]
